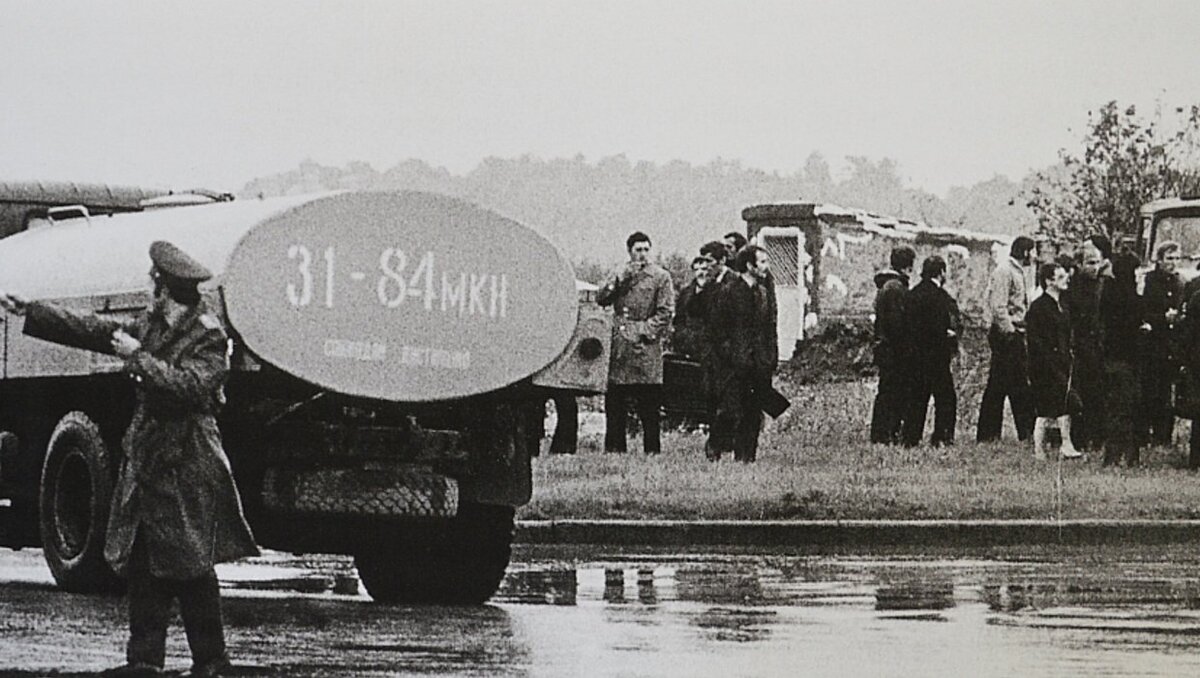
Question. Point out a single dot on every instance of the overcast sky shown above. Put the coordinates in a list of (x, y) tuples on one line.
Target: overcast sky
[(215, 93)]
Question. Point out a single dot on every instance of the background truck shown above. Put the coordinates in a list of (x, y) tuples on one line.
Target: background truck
[(391, 353)]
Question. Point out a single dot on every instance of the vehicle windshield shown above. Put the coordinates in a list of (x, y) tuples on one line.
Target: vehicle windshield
[(1184, 230)]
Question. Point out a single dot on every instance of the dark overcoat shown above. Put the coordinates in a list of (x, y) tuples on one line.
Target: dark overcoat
[(175, 492), (643, 301), (1048, 334), (1081, 302), (1189, 395), (714, 333), (689, 334), (1162, 292), (892, 339), (745, 349), (930, 314)]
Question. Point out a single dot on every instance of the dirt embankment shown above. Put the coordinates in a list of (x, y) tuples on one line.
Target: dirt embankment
[(843, 352)]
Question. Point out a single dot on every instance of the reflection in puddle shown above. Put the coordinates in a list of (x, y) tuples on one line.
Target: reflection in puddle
[(304, 584), (585, 613), (1154, 606), (614, 585), (284, 573), (752, 599), (741, 625), (646, 594), (721, 585), (916, 595), (740, 599), (553, 586), (1083, 590)]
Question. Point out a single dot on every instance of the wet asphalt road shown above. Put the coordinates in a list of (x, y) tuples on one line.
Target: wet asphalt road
[(598, 612)]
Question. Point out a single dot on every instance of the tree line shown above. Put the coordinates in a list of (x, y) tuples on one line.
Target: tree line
[(588, 207)]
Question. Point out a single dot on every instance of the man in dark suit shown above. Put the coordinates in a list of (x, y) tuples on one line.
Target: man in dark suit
[(932, 317), (1162, 304), (720, 276), (689, 329), (1081, 301), (745, 353), (1120, 316), (1190, 353), (891, 347)]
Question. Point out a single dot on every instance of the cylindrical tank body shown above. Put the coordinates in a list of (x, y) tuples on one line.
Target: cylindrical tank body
[(20, 200), (397, 296)]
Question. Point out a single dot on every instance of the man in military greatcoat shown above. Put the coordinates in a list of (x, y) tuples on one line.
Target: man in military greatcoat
[(175, 510), (643, 300)]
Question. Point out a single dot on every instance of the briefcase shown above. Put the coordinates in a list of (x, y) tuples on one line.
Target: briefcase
[(771, 401)]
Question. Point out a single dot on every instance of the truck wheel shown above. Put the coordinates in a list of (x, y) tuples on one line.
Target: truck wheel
[(457, 562), (77, 485)]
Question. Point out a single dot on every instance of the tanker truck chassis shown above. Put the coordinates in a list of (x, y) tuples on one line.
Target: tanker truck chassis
[(389, 363)]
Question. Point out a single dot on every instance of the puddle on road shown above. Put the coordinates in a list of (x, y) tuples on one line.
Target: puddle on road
[(588, 612), (1155, 596), (1149, 596)]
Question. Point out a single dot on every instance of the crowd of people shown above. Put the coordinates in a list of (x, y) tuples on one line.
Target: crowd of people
[(1079, 351), (724, 318), (1083, 352)]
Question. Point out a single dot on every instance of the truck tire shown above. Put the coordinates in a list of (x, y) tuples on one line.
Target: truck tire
[(456, 562), (76, 488)]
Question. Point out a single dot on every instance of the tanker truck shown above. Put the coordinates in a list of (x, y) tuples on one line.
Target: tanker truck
[(390, 355)]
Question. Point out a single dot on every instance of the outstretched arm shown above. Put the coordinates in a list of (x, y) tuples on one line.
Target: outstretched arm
[(67, 327)]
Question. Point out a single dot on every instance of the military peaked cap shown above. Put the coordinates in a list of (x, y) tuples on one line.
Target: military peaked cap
[(175, 263)]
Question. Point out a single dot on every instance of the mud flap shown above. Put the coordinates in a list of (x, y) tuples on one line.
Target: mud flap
[(500, 439)]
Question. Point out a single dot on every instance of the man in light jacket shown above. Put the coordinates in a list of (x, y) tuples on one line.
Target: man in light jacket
[(1008, 372), (643, 301)]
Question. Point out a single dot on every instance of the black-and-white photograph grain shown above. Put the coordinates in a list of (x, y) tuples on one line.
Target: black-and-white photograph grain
[(599, 338)]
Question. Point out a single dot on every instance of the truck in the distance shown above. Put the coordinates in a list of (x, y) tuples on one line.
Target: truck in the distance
[(390, 353), (1175, 220)]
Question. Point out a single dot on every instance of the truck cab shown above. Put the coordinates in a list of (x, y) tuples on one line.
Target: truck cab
[(1172, 219)]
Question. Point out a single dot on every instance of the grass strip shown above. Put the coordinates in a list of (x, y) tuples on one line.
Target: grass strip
[(815, 463)]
